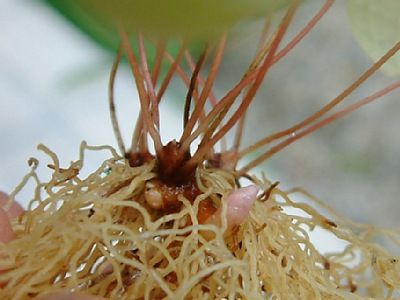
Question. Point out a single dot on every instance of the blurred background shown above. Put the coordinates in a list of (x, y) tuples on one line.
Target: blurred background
[(53, 90)]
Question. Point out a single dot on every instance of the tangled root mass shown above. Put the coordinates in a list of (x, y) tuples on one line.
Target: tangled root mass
[(99, 235)]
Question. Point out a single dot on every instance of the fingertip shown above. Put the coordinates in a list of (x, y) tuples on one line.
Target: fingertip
[(6, 232), (3, 197), (15, 208)]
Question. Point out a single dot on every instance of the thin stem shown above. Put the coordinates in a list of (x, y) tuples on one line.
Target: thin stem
[(138, 134), (262, 48), (283, 53), (143, 143), (192, 87), (264, 33), (221, 105), (143, 97), (259, 54), (206, 90), (190, 62), (149, 83), (239, 133), (328, 106), (158, 61), (228, 99), (224, 109), (111, 103), (174, 67), (223, 145), (206, 145), (192, 66), (212, 98), (318, 125), (184, 77), (297, 39), (221, 108), (310, 25), (214, 124)]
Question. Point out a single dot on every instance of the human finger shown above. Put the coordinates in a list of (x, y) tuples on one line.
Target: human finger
[(6, 232), (14, 210)]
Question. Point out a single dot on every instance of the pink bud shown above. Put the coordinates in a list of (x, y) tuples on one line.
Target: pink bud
[(15, 209), (239, 204)]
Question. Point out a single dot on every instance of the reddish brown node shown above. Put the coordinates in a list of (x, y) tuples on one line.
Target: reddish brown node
[(171, 165), (172, 178)]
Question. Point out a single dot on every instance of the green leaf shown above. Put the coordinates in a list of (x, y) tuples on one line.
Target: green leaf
[(195, 19), (376, 26)]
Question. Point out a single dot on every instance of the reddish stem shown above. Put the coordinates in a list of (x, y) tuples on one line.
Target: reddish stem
[(328, 106), (111, 103), (149, 83), (192, 87), (282, 53), (174, 67), (259, 55), (228, 99), (138, 133), (206, 89), (184, 77), (239, 133), (203, 149), (158, 61), (190, 62), (310, 25), (264, 33), (143, 97), (298, 135)]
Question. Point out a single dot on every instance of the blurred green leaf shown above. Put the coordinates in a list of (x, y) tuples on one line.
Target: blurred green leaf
[(376, 26), (195, 19)]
